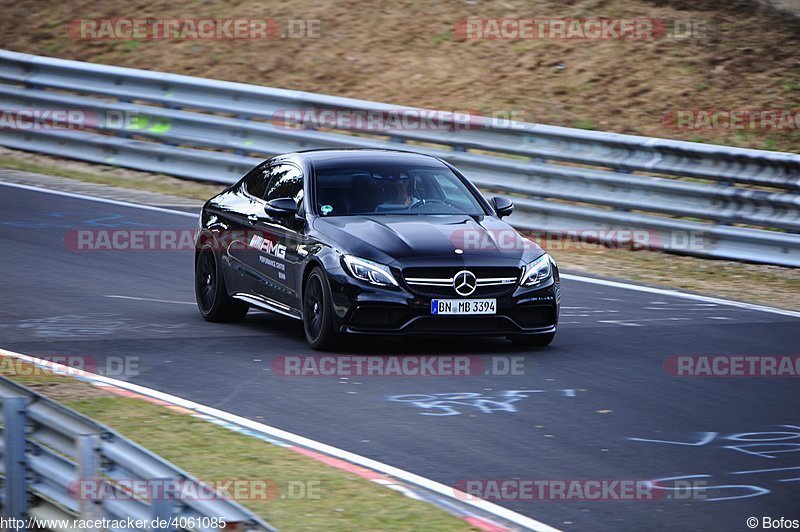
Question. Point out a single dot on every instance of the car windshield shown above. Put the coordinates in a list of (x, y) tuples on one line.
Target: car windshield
[(396, 189)]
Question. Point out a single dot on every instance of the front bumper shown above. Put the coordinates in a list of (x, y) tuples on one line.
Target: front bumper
[(360, 308)]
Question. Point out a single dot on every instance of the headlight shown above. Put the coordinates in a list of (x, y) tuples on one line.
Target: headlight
[(368, 271), (537, 271)]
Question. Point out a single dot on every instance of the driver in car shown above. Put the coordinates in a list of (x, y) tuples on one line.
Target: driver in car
[(401, 194)]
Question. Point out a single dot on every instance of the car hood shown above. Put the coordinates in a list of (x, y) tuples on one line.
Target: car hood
[(409, 239)]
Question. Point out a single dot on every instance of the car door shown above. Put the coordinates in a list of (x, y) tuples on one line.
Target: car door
[(278, 238), (237, 218)]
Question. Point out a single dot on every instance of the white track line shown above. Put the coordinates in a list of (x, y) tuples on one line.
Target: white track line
[(441, 489), (684, 295), (78, 195), (153, 299), (572, 277)]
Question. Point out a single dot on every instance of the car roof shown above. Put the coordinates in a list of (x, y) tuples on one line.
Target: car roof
[(331, 158)]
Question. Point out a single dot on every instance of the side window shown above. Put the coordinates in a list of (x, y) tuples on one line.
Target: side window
[(255, 183), (285, 181)]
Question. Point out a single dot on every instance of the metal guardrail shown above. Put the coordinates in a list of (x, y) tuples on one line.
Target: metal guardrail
[(46, 449), (730, 202)]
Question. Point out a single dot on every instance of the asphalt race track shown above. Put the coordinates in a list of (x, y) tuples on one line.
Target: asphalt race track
[(570, 416)]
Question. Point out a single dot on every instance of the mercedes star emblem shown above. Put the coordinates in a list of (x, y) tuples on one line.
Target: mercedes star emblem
[(465, 283)]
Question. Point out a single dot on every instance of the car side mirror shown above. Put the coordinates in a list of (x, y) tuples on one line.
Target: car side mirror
[(281, 207), (502, 206)]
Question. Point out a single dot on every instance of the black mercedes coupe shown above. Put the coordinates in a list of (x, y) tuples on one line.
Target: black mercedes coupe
[(372, 242)]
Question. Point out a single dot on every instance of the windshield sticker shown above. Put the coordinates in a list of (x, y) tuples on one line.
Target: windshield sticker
[(326, 210)]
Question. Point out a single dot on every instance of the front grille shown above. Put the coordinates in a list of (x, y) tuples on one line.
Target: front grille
[(437, 282), (461, 324)]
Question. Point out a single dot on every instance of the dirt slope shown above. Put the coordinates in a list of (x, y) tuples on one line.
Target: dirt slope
[(406, 52)]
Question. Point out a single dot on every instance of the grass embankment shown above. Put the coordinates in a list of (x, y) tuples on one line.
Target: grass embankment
[(339, 500), (742, 56)]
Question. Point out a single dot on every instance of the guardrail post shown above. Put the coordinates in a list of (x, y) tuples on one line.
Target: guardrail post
[(87, 445), (15, 486), (622, 171), (162, 506)]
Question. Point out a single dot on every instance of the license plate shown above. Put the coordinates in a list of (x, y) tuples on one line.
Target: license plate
[(464, 306)]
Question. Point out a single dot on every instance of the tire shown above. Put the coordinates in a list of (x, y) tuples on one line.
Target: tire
[(533, 340), (210, 292), (318, 312)]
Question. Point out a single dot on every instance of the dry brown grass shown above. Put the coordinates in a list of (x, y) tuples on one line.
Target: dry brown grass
[(405, 52)]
